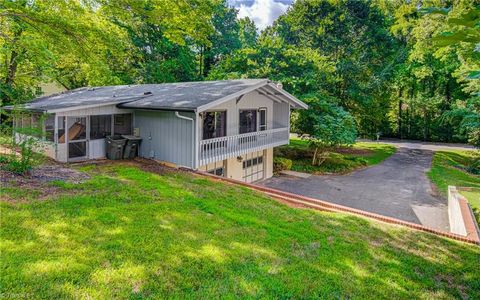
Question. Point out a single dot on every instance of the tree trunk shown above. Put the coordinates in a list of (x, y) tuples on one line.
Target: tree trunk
[(400, 104), (11, 68), (314, 156)]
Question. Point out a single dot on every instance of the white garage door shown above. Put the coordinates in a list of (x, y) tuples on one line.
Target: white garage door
[(253, 166)]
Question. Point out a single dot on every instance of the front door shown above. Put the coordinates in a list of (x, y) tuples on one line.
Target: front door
[(77, 138)]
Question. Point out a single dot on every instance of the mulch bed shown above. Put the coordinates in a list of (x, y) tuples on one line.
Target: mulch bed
[(354, 151)]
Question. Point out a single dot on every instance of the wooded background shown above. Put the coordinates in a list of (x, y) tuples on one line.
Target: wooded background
[(407, 69)]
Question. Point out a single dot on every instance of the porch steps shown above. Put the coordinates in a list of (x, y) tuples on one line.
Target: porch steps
[(307, 202)]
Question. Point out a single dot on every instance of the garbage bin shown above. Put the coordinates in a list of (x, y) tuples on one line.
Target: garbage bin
[(115, 145), (131, 147)]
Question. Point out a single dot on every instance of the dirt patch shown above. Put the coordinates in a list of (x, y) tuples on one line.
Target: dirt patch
[(37, 183), (144, 164)]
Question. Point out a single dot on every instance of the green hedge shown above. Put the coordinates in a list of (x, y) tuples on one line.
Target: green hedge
[(281, 163)]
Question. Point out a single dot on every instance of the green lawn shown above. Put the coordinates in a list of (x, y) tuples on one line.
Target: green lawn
[(448, 169), (127, 233), (348, 159)]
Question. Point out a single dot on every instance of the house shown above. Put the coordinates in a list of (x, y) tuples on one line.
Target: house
[(226, 127)]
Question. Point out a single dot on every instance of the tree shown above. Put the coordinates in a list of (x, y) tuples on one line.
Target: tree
[(247, 33), (36, 35), (327, 125), (223, 40)]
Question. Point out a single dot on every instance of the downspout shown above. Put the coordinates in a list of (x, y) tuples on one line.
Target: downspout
[(193, 136)]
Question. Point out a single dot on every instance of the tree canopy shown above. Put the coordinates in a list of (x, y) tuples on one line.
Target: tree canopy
[(408, 69)]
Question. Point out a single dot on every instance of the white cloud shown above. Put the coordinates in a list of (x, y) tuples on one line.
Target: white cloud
[(262, 12)]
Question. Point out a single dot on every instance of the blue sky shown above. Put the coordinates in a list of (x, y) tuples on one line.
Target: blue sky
[(262, 12)]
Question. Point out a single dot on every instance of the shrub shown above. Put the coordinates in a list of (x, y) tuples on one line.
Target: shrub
[(281, 163), (22, 157), (4, 159), (474, 166), (328, 126)]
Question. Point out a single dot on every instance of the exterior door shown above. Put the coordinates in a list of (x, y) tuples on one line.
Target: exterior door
[(77, 143)]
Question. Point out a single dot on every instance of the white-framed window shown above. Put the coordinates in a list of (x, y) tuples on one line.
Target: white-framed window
[(262, 119)]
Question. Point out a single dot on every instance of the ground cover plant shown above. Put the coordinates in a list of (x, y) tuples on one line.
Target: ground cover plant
[(341, 160), (450, 168), (130, 233)]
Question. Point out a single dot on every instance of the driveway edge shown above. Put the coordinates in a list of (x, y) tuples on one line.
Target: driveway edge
[(327, 206)]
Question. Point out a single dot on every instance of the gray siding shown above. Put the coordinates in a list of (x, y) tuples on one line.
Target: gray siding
[(281, 115), (165, 137)]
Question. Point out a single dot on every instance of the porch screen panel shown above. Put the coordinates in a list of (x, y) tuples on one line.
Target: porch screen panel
[(100, 126), (122, 124), (61, 130), (50, 128), (77, 128)]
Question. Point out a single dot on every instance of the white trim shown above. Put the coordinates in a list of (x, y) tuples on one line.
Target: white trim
[(193, 135), (232, 96), (289, 96), (58, 110)]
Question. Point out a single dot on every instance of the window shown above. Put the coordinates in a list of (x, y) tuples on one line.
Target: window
[(122, 124), (50, 128), (248, 121), (61, 130), (100, 126), (217, 168), (263, 119), (214, 124), (252, 162), (217, 171)]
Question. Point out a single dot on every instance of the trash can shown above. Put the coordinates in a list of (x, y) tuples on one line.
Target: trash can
[(115, 145), (131, 147)]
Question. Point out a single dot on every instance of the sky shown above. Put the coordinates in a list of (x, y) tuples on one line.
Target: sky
[(262, 12)]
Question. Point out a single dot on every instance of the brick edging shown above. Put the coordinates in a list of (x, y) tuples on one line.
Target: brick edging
[(327, 206), (468, 219)]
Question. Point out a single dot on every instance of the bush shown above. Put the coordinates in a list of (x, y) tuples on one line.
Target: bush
[(4, 159), (281, 163), (474, 166), (22, 157), (293, 153)]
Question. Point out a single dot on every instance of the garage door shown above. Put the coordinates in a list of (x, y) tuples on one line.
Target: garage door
[(253, 166)]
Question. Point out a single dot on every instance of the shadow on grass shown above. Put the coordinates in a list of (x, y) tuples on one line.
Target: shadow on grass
[(132, 234)]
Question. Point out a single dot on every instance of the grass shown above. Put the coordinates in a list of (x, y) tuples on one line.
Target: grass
[(127, 233), (360, 155), (448, 168)]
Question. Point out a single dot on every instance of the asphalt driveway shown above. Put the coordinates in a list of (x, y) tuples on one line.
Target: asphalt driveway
[(397, 187)]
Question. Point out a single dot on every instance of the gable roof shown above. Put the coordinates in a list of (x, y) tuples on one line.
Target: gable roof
[(189, 96)]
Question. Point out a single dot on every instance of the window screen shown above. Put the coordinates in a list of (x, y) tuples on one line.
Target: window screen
[(61, 130), (122, 124), (100, 126)]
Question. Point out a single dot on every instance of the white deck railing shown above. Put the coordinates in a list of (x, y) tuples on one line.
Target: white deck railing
[(221, 148)]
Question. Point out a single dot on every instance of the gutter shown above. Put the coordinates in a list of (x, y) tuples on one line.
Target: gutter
[(178, 115)]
